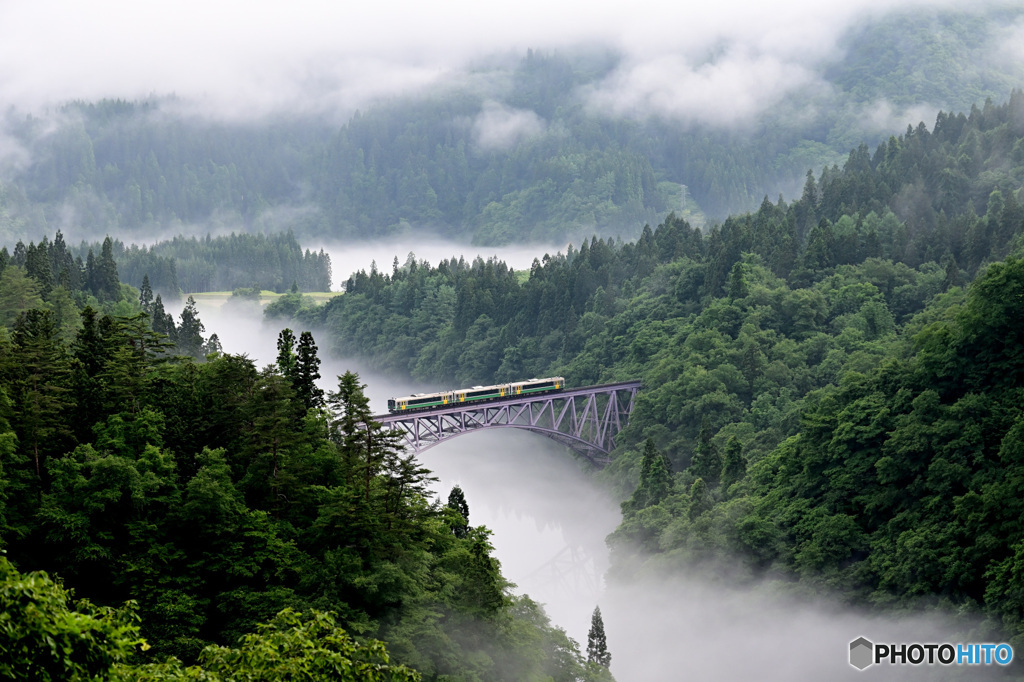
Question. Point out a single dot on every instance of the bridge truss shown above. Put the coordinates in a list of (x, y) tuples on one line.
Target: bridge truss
[(584, 419)]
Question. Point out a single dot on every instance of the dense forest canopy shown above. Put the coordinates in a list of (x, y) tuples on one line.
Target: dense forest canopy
[(513, 151), (221, 519), (832, 384)]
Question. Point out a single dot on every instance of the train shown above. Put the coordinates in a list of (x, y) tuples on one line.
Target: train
[(462, 396)]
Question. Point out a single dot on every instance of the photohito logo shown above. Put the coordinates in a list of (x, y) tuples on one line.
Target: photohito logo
[(864, 653)]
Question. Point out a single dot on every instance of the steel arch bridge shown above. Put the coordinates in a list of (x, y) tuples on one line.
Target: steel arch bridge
[(586, 420)]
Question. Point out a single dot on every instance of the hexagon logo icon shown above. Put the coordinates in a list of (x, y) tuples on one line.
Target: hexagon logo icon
[(861, 653)]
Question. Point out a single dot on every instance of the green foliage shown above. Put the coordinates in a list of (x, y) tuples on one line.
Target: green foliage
[(655, 480), (46, 636), (213, 496), (291, 646)]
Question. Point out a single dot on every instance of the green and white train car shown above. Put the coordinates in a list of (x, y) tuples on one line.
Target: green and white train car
[(426, 401)]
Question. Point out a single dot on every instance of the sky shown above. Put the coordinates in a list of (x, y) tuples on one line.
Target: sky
[(242, 60)]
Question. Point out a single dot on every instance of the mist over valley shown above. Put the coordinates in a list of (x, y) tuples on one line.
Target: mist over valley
[(231, 235)]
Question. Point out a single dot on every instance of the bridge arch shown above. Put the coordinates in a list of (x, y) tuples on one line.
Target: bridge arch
[(586, 420)]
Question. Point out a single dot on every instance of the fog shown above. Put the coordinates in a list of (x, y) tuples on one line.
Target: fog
[(237, 61), (549, 520)]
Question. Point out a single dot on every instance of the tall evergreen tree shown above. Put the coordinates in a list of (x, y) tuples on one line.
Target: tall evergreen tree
[(597, 644), (213, 346), (457, 502), (306, 372), (190, 331), (40, 368), (146, 295), (37, 266), (286, 352), (107, 285), (655, 479)]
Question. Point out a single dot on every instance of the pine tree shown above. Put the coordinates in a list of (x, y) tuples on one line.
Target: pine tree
[(107, 284), (655, 479), (37, 266), (457, 501), (286, 353), (700, 498), (190, 331), (213, 346), (306, 372), (363, 442), (39, 383), (597, 644), (63, 264), (146, 295), (160, 319)]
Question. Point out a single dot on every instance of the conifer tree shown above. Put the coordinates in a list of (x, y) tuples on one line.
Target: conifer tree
[(146, 295), (213, 346), (655, 479), (162, 322), (306, 372), (597, 644), (39, 385), (37, 266), (190, 331), (363, 442), (63, 264), (457, 501), (286, 353), (21, 254), (107, 284)]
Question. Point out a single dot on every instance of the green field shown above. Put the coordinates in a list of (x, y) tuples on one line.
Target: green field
[(266, 296)]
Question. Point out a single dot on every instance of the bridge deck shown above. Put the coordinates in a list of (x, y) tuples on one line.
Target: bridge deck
[(512, 400)]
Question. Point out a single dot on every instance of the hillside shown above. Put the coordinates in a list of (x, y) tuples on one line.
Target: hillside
[(832, 385), (516, 150)]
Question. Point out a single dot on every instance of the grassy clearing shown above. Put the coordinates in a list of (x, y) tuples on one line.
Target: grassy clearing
[(266, 296)]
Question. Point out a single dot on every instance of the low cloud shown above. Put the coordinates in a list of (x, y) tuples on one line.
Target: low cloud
[(238, 60), (1011, 42), (725, 92), (882, 116), (498, 127)]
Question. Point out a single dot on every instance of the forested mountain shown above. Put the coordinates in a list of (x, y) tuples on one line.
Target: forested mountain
[(177, 484), (832, 385), (511, 151)]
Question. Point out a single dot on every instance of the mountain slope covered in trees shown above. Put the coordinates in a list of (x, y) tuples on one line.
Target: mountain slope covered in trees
[(225, 506), (513, 151), (832, 385)]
